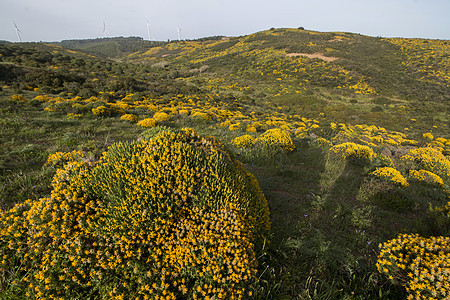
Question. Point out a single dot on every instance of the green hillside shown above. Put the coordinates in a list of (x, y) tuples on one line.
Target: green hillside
[(109, 47), (345, 136)]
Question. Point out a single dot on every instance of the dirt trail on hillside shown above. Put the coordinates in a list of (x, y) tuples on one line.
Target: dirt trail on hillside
[(314, 55)]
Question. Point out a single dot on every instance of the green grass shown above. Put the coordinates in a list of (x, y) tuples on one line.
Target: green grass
[(29, 134)]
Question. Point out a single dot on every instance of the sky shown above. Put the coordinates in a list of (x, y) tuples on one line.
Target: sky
[(56, 20)]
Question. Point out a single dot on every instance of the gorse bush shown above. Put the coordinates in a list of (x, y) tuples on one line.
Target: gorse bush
[(352, 150), (161, 117), (148, 122), (276, 138), (421, 265), (170, 217), (427, 177), (244, 141), (129, 117), (429, 159), (390, 175)]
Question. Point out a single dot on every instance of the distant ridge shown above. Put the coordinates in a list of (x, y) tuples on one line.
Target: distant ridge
[(109, 47)]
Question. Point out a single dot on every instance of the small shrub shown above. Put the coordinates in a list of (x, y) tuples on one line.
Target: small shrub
[(429, 159), (161, 117), (201, 115), (148, 122), (129, 117), (390, 175), (101, 111), (277, 139), (427, 177), (354, 151), (244, 141), (18, 98)]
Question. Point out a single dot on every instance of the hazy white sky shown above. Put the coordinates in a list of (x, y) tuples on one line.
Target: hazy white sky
[(55, 20)]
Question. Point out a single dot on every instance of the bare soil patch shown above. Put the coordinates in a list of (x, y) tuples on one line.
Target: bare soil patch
[(314, 55)]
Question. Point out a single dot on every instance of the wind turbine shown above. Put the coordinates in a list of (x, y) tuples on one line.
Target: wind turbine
[(17, 31), (179, 33), (105, 32), (148, 31)]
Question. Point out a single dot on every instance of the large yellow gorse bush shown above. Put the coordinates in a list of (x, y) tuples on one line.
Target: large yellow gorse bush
[(171, 217), (421, 265), (429, 159)]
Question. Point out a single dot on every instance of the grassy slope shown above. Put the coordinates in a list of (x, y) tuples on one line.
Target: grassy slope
[(256, 67), (325, 229)]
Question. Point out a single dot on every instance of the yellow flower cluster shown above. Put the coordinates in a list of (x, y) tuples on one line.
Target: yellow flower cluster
[(72, 116), (421, 265), (173, 217), (59, 159), (426, 176), (18, 98), (161, 117), (148, 122), (353, 151), (429, 58), (201, 115), (430, 159), (244, 141), (276, 138), (129, 117), (428, 136), (390, 174), (101, 111)]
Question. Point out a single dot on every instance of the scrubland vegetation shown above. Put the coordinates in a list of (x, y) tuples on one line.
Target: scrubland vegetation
[(285, 164)]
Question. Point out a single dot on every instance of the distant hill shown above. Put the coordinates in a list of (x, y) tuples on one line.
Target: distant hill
[(393, 67), (109, 47)]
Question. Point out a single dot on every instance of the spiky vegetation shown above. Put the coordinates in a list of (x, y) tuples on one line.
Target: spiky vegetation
[(346, 134)]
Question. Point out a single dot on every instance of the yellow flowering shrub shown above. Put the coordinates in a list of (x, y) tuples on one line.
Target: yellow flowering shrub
[(354, 151), (148, 122), (72, 116), (420, 264), (58, 159), (129, 117), (426, 176), (161, 117), (428, 136), (391, 175), (430, 159), (201, 115), (233, 127), (101, 111), (276, 138), (324, 143), (244, 141), (172, 217), (18, 98)]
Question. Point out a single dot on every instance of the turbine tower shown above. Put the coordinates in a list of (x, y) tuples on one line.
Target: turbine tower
[(148, 32), (179, 33), (105, 32), (17, 31)]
